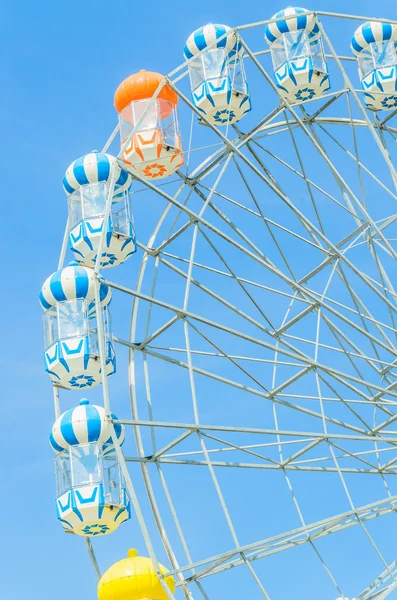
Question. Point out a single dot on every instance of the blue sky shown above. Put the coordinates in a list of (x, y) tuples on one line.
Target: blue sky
[(60, 65)]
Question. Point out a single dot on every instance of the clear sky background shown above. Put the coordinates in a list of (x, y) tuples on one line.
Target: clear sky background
[(60, 63)]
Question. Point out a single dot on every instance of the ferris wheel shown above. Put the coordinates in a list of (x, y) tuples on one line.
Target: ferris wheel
[(258, 343)]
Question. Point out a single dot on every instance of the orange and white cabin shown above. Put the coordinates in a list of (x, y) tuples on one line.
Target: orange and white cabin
[(149, 131)]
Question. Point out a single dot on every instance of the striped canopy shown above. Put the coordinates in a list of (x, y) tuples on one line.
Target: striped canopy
[(370, 32), (70, 283), (93, 168), (84, 424), (298, 22), (209, 34)]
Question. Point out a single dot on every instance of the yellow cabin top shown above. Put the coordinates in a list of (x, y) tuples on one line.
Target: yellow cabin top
[(134, 578)]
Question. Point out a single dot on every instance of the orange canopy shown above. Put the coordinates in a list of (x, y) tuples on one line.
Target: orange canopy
[(142, 86)]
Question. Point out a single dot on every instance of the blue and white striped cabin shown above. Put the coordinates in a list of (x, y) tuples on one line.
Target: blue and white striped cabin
[(300, 68), (374, 44), (71, 355), (87, 182), (217, 76), (91, 495)]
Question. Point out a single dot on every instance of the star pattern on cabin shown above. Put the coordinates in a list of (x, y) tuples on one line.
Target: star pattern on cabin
[(224, 116), (154, 171), (305, 94), (95, 529), (81, 381), (108, 258), (389, 102)]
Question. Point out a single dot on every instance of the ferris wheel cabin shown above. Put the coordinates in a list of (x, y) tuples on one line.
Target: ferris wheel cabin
[(87, 182), (300, 68), (149, 130), (71, 355), (91, 496), (374, 45), (217, 75), (135, 578)]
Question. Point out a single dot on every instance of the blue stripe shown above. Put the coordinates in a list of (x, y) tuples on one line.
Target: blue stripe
[(103, 291), (101, 501), (79, 171), (67, 186), (103, 165), (356, 46), (387, 31), (109, 232), (43, 301), (117, 426), (219, 31), (118, 430), (87, 352), (187, 53), (272, 38), (368, 34), (121, 510), (66, 427), (302, 22), (122, 178), (82, 282), (91, 309), (282, 26), (56, 287), (54, 444), (94, 423), (199, 39)]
